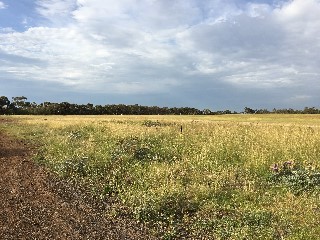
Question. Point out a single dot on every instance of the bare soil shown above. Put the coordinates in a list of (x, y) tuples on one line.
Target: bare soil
[(36, 204)]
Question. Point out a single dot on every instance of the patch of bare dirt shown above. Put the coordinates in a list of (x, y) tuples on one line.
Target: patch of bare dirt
[(35, 204)]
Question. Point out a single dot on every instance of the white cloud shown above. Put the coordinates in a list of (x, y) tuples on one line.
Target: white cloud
[(6, 30), (58, 12), (2, 5), (258, 10), (272, 41), (146, 14), (69, 57)]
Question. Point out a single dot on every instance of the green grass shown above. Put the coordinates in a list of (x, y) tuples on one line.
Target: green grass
[(212, 181)]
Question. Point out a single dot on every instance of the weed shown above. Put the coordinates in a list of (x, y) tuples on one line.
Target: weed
[(296, 177), (211, 182)]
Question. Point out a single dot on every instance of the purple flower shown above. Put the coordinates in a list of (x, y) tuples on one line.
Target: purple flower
[(288, 165), (275, 167)]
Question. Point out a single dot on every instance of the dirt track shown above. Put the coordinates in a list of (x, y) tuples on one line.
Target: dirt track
[(35, 204)]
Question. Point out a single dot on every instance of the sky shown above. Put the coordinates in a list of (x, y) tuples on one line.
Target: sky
[(216, 54)]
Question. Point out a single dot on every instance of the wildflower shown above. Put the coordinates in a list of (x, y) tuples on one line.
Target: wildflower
[(275, 167), (288, 165)]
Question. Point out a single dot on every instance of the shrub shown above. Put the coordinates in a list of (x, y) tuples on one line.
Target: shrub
[(297, 178)]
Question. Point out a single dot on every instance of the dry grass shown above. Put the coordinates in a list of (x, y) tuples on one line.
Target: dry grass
[(213, 180)]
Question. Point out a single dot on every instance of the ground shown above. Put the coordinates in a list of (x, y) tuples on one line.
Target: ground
[(36, 204)]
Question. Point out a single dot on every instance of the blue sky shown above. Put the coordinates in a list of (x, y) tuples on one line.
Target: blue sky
[(217, 54), (16, 14)]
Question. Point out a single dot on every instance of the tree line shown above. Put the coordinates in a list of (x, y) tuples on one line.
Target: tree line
[(21, 106)]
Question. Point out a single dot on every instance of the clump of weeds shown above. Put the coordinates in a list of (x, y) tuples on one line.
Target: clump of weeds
[(296, 177)]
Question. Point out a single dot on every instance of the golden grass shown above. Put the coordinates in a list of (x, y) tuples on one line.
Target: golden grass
[(211, 180)]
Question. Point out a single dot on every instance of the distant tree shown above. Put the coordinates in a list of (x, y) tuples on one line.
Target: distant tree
[(311, 110), (206, 111), (4, 101), (19, 105), (4, 105), (249, 110), (19, 102), (262, 111)]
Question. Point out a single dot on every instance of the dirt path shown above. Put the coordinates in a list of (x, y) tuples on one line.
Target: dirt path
[(35, 204)]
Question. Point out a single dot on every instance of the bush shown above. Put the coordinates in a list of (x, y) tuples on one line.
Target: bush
[(297, 178)]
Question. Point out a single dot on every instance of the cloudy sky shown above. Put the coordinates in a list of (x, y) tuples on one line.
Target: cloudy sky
[(217, 54)]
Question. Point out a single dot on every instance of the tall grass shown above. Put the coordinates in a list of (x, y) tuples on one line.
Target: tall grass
[(245, 177)]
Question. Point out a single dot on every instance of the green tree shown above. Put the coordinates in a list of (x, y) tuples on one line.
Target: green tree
[(4, 104), (249, 110), (19, 102), (206, 111)]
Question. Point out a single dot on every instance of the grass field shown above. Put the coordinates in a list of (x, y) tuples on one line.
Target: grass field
[(222, 177)]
